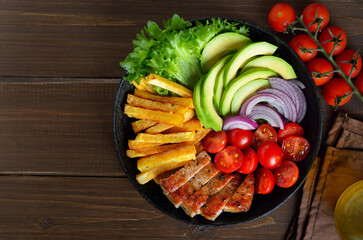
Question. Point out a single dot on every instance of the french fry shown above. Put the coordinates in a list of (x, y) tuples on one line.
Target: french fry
[(145, 177), (147, 86), (142, 124), (142, 152), (138, 85), (191, 125), (165, 138), (201, 134), (186, 102), (174, 87), (161, 127), (155, 105), (166, 174), (199, 147), (181, 154), (154, 115), (136, 145)]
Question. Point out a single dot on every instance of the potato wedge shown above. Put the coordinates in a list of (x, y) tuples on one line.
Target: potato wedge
[(166, 138), (161, 127), (142, 124), (154, 115), (191, 125), (155, 105), (181, 154), (186, 102), (142, 152), (174, 87), (136, 145), (146, 176)]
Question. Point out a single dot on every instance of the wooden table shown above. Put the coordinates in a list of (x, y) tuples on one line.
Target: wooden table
[(59, 71)]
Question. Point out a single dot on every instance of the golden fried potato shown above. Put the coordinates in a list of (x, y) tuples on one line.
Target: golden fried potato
[(142, 152), (142, 124), (186, 102), (136, 145), (166, 138), (174, 87)]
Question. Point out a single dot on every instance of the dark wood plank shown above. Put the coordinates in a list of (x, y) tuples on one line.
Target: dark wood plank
[(78, 38), (107, 208), (57, 127)]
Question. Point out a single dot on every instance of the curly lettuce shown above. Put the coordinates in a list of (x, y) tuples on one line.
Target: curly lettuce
[(174, 52)]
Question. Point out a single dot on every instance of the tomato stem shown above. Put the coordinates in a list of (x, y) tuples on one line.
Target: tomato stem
[(328, 56)]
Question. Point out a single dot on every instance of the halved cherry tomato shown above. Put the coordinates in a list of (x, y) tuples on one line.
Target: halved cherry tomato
[(291, 129), (280, 16), (320, 65), (215, 141), (337, 87), (240, 138), (265, 181), (347, 55), (265, 132), (295, 148), (269, 154), (318, 10), (229, 159), (326, 36), (250, 161), (358, 81), (304, 41), (286, 174)]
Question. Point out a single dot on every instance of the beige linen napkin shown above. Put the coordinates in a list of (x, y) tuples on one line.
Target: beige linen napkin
[(341, 166)]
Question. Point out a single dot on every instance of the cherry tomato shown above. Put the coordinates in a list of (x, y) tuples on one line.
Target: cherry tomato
[(295, 148), (291, 129), (250, 161), (229, 159), (320, 65), (265, 181), (215, 141), (304, 41), (269, 154), (265, 132), (358, 81), (286, 174), (280, 16), (318, 10), (240, 138), (347, 55), (337, 87), (328, 46)]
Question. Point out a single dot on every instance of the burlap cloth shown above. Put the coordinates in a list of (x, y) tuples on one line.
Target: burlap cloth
[(341, 166)]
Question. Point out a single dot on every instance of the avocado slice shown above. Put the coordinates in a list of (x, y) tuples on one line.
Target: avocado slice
[(197, 104), (245, 92), (220, 46), (207, 92), (233, 86), (277, 64), (218, 88), (245, 54)]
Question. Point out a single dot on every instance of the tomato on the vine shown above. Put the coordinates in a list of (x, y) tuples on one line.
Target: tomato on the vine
[(326, 36), (229, 159), (286, 174), (320, 65), (215, 141), (295, 148), (315, 10), (265, 181), (269, 154), (304, 42), (291, 129), (250, 161), (347, 56), (337, 87), (280, 16), (265, 132), (240, 138), (358, 81)]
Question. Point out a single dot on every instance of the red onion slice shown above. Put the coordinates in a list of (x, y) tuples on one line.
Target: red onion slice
[(298, 82), (273, 117), (272, 99), (233, 122), (302, 112)]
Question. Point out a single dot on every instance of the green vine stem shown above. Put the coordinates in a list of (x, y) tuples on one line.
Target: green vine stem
[(328, 56)]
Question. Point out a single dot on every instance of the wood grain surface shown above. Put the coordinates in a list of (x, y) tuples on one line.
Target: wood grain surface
[(59, 71)]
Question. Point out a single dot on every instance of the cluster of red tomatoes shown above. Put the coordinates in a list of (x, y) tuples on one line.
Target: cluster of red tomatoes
[(282, 14), (269, 154)]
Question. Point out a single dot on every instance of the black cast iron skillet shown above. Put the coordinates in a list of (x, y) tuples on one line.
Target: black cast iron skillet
[(262, 204)]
